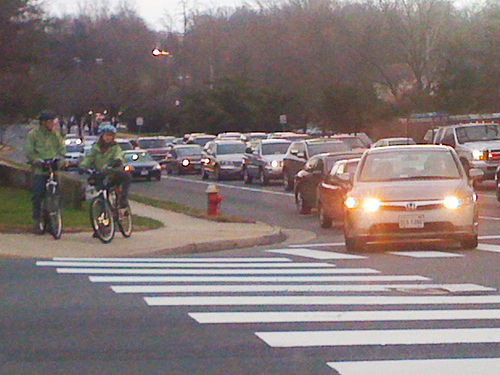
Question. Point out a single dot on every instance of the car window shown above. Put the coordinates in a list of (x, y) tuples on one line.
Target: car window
[(415, 164), (318, 148), (353, 142), (478, 133), (351, 167), (448, 137), (274, 148), (231, 148), (151, 143), (189, 151), (137, 156), (126, 146)]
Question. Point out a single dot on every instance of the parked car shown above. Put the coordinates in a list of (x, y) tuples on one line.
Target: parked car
[(300, 151), (331, 192), (74, 155), (222, 159), (254, 136), (182, 159), (72, 139), (200, 139), (141, 165), (154, 145), (383, 142), (352, 141), (314, 172), (230, 136), (265, 162), (411, 194), (125, 144)]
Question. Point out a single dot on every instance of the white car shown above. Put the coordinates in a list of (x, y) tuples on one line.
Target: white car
[(400, 141), (411, 194)]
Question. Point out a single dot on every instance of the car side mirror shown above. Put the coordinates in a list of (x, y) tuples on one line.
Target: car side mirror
[(475, 173)]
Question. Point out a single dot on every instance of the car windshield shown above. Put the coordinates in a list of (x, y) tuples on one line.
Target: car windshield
[(151, 143), (252, 137), (318, 148), (409, 165), (202, 141), (231, 148), (137, 156), (478, 133), (189, 151), (353, 142), (74, 148), (126, 146), (274, 148), (402, 141)]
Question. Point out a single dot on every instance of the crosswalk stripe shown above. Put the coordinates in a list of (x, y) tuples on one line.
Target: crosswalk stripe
[(341, 316), (453, 288), (290, 339), (321, 244), (176, 260), (274, 271), (245, 279), (183, 265), (318, 300), (488, 247), (315, 254), (475, 366), (426, 254), (493, 237)]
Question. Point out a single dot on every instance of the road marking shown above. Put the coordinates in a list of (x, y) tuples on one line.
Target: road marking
[(490, 218), (317, 300), (247, 279), (468, 366), (320, 244), (184, 265), (426, 254), (488, 237), (315, 254), (341, 316), (255, 190), (276, 271), (488, 247), (290, 339), (452, 288), (177, 260)]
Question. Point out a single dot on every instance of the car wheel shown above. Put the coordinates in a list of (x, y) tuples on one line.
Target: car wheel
[(247, 179), (287, 182), (469, 242), (324, 220), (263, 178), (302, 206)]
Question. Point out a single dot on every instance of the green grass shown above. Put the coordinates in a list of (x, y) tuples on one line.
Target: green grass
[(15, 214)]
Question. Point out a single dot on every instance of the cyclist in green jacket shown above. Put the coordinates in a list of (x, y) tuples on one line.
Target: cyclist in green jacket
[(43, 142), (106, 156)]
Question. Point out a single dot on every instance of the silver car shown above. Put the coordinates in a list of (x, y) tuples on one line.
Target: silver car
[(411, 194)]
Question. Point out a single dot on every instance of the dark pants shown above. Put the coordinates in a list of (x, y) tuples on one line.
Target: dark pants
[(124, 179), (39, 181)]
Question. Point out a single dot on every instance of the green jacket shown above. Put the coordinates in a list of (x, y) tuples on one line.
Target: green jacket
[(98, 159), (42, 144)]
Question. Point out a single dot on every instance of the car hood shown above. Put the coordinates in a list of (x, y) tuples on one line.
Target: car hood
[(230, 157), (270, 158), (483, 145), (411, 190)]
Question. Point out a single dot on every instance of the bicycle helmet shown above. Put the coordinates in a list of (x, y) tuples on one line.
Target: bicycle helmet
[(108, 129), (47, 115)]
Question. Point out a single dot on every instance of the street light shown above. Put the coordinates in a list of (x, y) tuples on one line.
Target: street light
[(159, 52)]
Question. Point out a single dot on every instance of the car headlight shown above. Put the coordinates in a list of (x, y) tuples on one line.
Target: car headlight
[(78, 141), (371, 204), (275, 164), (205, 161), (452, 203), (351, 202), (67, 142), (479, 155), (185, 162)]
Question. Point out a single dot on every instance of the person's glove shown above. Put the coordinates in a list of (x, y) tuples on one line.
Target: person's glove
[(116, 163)]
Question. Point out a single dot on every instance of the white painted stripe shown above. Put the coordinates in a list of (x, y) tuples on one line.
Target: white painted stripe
[(426, 254), (317, 300), (320, 244), (341, 316), (453, 288), (248, 279), (490, 218), (315, 254), (380, 337), (176, 260), (184, 265), (255, 190), (495, 237), (488, 247), (462, 366), (275, 271)]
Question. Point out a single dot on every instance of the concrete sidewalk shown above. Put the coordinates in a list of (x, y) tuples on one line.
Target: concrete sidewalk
[(182, 234)]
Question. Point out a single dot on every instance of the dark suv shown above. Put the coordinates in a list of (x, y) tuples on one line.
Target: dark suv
[(300, 151)]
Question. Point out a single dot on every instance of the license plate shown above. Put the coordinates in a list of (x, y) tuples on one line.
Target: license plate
[(411, 221), (144, 173)]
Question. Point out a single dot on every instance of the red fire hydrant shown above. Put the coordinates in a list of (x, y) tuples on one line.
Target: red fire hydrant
[(214, 200)]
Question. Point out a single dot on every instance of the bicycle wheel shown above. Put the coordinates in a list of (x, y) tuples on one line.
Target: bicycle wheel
[(54, 215), (125, 221), (101, 219), (44, 222)]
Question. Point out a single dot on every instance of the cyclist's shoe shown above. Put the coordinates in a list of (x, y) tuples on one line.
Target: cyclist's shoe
[(38, 227), (94, 235)]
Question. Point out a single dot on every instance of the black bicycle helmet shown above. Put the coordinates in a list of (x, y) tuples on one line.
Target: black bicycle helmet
[(46, 115)]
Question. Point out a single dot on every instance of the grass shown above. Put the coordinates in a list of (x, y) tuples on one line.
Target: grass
[(15, 214), (177, 207)]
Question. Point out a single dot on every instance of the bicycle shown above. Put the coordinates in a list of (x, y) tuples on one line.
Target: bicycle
[(51, 208), (105, 213)]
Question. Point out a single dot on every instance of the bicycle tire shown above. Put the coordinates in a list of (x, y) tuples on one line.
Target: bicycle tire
[(125, 221), (101, 219), (44, 222), (54, 216)]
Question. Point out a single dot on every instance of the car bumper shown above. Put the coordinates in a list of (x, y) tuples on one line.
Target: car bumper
[(146, 174), (230, 170), (274, 173), (439, 224)]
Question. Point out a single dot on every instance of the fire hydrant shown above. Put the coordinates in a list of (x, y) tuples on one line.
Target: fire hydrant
[(214, 200)]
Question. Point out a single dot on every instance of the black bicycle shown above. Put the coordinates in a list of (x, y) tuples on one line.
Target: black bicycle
[(105, 213), (51, 207)]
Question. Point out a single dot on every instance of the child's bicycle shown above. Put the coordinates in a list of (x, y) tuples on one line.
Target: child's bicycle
[(105, 213), (51, 208)]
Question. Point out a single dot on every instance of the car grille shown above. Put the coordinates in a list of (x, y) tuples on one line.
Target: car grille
[(412, 206), (140, 169), (393, 228)]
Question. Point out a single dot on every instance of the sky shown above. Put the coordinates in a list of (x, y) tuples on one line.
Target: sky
[(152, 11)]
